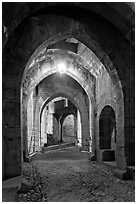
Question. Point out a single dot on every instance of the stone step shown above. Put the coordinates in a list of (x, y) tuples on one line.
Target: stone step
[(10, 188), (60, 146)]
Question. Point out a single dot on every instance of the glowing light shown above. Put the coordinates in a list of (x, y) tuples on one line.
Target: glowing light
[(61, 68)]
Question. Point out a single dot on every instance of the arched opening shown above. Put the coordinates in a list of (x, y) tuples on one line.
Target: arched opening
[(107, 132), (20, 49), (68, 129), (55, 111), (49, 91)]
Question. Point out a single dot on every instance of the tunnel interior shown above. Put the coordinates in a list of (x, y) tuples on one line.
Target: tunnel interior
[(86, 57), (54, 127), (47, 126)]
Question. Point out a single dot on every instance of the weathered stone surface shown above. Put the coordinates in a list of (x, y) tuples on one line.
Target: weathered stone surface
[(9, 195), (124, 175), (25, 186)]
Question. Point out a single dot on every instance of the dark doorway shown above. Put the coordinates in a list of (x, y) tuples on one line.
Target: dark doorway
[(107, 128)]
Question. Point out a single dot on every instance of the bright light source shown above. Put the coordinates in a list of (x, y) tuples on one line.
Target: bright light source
[(61, 67)]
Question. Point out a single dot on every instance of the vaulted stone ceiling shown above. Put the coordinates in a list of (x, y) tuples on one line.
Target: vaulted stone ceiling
[(122, 14)]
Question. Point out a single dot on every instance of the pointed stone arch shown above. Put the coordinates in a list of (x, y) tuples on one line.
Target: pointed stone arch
[(16, 59)]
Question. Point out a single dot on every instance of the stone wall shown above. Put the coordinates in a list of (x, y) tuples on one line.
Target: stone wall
[(105, 95)]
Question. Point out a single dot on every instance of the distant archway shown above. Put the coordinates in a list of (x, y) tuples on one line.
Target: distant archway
[(68, 129), (81, 118)]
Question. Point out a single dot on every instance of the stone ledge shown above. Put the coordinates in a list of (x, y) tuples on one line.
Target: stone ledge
[(106, 155), (9, 194), (12, 183), (10, 188), (60, 146), (25, 186)]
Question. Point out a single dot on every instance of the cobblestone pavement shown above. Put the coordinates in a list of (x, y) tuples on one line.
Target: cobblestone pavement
[(68, 176)]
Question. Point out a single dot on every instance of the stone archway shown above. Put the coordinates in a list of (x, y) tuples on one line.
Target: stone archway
[(15, 61), (85, 79), (80, 105), (68, 129), (87, 59), (87, 63)]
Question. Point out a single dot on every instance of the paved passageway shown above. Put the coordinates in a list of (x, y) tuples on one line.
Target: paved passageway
[(67, 176)]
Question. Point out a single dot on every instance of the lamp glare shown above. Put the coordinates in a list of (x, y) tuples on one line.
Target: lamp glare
[(61, 67)]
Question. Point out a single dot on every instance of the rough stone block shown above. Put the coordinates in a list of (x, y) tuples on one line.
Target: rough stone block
[(123, 175), (86, 54), (25, 186)]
